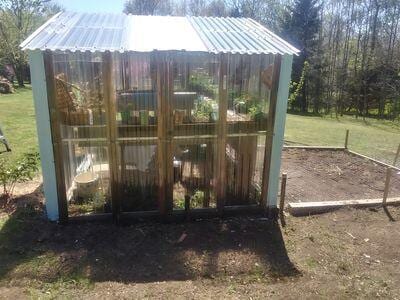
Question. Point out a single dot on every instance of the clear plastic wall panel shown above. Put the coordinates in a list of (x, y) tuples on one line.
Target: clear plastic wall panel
[(89, 189), (249, 88), (81, 115), (135, 78), (138, 176), (135, 81), (194, 174), (195, 118)]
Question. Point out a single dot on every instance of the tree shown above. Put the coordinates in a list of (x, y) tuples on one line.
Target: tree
[(19, 18), (148, 7), (302, 23)]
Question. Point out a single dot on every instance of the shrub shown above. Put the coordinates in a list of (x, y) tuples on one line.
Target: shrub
[(20, 170)]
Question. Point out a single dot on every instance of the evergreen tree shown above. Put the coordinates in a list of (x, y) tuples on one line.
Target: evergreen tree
[(301, 27)]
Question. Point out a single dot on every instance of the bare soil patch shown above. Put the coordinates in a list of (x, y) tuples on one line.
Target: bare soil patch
[(318, 175), (346, 254)]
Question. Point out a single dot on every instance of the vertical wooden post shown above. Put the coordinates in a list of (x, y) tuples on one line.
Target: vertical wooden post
[(161, 134), (282, 199), (222, 131), (164, 133), (56, 137), (346, 141), (110, 107), (396, 157), (387, 185), (270, 129), (169, 125), (389, 177)]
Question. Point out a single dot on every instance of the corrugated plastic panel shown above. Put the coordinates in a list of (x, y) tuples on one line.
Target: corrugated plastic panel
[(119, 32)]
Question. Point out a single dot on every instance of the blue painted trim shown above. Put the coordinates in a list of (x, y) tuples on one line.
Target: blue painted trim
[(279, 129), (39, 88)]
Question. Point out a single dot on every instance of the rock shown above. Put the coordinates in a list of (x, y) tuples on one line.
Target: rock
[(5, 86)]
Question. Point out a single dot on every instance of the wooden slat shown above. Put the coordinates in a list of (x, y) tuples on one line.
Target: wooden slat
[(169, 125), (270, 130), (110, 107), (307, 208), (222, 131), (161, 134), (164, 133), (56, 137)]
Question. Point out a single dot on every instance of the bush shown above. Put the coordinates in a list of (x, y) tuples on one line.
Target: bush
[(21, 170)]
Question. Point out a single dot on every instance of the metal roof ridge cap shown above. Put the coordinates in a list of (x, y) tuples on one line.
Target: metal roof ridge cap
[(25, 42)]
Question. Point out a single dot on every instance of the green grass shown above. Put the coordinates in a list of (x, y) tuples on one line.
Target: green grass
[(378, 139), (372, 137), (17, 119)]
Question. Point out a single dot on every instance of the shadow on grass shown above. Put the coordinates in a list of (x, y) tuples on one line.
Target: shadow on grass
[(33, 248)]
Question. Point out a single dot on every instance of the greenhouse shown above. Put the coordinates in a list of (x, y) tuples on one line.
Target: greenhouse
[(158, 116)]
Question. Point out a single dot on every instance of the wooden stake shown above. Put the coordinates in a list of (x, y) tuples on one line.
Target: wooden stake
[(282, 199), (346, 141), (396, 156), (387, 184)]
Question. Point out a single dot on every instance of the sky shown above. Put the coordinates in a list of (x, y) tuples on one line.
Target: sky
[(115, 6)]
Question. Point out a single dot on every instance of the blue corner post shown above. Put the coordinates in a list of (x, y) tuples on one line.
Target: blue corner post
[(279, 130), (38, 78)]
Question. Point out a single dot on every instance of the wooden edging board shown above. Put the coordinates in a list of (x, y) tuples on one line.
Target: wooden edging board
[(309, 208), (342, 149), (313, 147), (374, 160)]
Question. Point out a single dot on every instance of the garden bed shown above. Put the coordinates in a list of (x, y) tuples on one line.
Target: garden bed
[(325, 175)]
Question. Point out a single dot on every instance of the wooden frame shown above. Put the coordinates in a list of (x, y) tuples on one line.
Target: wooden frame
[(165, 134), (56, 137), (221, 131), (111, 129)]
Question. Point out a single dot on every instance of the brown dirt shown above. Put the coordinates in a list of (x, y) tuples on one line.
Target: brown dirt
[(346, 254), (318, 175)]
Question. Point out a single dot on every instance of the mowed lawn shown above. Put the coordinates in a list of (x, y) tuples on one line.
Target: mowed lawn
[(17, 119), (378, 139)]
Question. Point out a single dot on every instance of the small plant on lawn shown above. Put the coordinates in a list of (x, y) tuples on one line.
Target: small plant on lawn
[(13, 172)]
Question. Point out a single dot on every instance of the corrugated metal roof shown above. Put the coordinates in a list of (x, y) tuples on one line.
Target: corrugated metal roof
[(119, 32)]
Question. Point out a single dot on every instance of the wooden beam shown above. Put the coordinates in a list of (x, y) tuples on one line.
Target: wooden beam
[(308, 208), (387, 186), (282, 199), (346, 140), (315, 147), (111, 121), (222, 131), (56, 137), (169, 125), (161, 134), (270, 129), (164, 132), (381, 163), (396, 157)]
